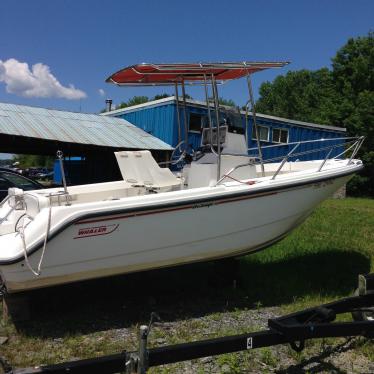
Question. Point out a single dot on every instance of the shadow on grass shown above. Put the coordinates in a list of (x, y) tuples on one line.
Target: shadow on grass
[(189, 291), (330, 273), (320, 363)]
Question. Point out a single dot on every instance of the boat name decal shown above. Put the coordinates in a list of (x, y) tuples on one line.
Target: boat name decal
[(323, 184), (95, 231), (202, 205)]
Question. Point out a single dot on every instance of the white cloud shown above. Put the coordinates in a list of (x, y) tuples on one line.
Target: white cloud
[(101, 92), (35, 82)]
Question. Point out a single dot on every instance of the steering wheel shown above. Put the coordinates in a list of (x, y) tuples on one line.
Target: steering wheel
[(181, 152)]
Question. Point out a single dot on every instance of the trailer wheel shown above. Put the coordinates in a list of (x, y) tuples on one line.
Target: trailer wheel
[(363, 315)]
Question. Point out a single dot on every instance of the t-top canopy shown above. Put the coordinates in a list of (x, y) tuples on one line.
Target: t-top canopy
[(196, 73)]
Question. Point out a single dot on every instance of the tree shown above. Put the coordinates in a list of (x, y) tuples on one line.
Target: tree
[(161, 96), (187, 97), (136, 100), (26, 161), (302, 95), (353, 72), (226, 102), (353, 66), (343, 96)]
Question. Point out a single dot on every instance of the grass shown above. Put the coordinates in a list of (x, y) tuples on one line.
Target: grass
[(317, 263), (320, 261)]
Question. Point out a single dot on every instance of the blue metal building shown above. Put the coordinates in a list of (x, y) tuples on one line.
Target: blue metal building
[(159, 118)]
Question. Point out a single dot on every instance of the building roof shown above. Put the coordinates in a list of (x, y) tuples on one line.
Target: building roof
[(70, 127), (170, 99)]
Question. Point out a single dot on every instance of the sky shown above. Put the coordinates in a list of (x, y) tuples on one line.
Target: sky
[(57, 54)]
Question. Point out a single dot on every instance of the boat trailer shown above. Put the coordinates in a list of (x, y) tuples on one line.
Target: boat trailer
[(294, 329)]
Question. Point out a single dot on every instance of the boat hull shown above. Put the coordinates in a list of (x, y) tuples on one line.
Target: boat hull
[(106, 245)]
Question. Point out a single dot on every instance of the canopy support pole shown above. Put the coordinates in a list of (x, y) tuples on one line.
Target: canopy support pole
[(178, 113), (185, 115), (216, 105), (209, 114), (251, 98)]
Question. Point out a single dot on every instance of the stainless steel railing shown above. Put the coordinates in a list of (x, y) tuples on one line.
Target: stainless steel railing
[(356, 143), (4, 200), (11, 210), (285, 160), (306, 142)]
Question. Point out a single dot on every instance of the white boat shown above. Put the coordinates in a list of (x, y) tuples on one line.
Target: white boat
[(224, 203)]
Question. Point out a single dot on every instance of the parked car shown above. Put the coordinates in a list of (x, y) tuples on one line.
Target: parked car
[(48, 175), (38, 173), (31, 172), (9, 178)]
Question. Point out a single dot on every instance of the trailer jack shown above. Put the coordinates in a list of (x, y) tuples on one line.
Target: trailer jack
[(293, 329)]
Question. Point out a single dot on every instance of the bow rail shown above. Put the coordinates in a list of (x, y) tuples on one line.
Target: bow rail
[(355, 145)]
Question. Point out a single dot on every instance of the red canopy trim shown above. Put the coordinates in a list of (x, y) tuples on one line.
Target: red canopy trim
[(169, 74)]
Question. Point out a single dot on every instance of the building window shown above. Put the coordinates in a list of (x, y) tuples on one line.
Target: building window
[(280, 136), (263, 133), (196, 122)]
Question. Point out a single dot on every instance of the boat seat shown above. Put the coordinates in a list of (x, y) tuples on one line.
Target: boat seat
[(140, 168)]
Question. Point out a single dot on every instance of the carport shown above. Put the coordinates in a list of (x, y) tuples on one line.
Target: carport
[(90, 137)]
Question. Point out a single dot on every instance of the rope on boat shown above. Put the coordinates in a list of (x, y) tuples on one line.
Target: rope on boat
[(3, 290), (21, 231)]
